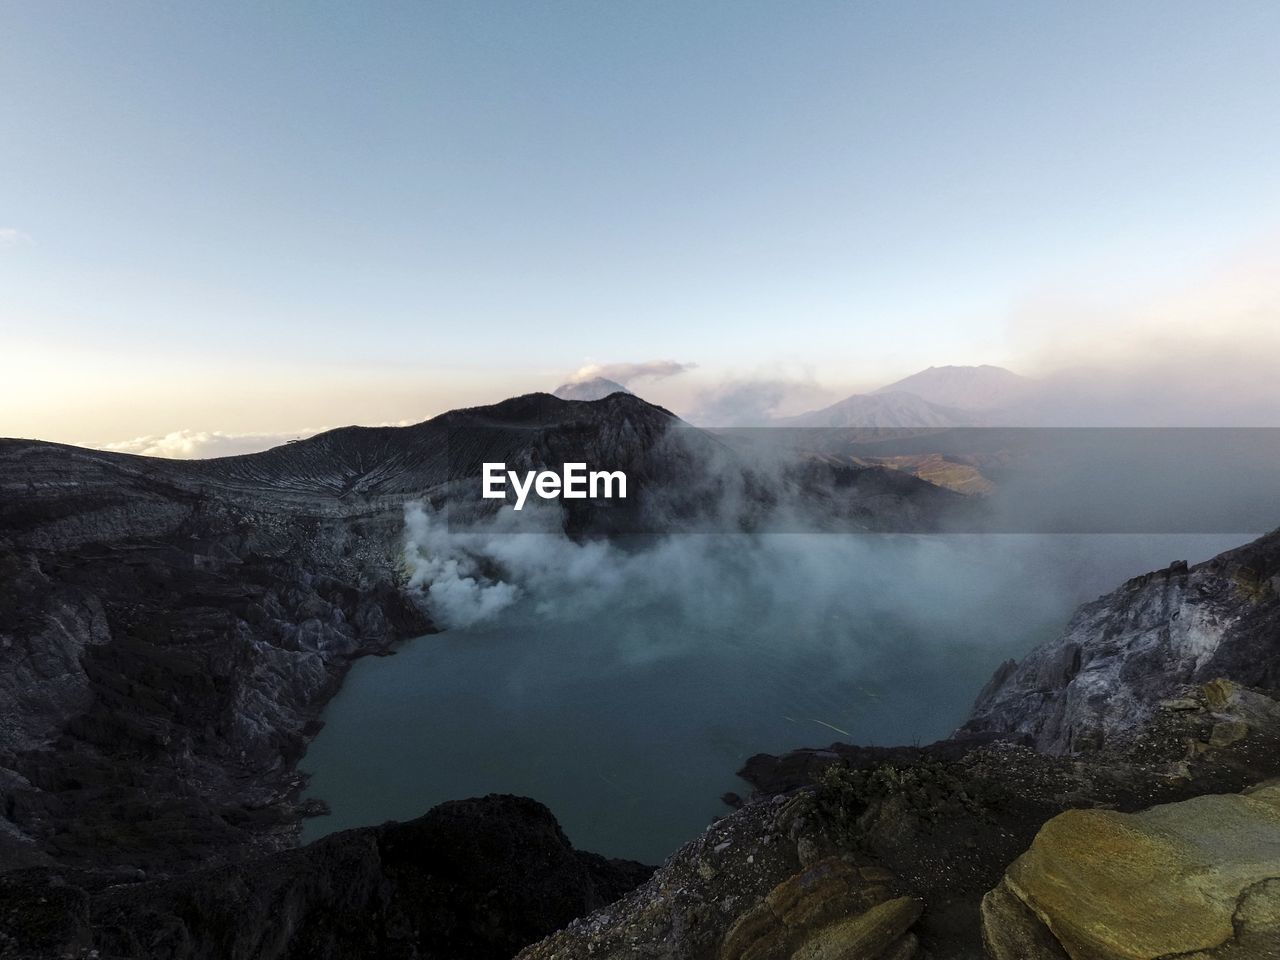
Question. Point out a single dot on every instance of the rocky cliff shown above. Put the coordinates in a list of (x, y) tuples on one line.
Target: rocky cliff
[(166, 649), (1124, 653)]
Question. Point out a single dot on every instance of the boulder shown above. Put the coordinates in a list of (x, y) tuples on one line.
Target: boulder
[(1200, 878), (831, 910), (878, 934)]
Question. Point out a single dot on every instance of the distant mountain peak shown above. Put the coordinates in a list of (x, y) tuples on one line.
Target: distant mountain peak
[(597, 388), (884, 410), (983, 387)]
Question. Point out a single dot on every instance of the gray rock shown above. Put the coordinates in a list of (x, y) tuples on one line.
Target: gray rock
[(1125, 653)]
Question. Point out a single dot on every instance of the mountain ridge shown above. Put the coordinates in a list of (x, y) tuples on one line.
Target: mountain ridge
[(984, 387), (898, 409), (356, 463)]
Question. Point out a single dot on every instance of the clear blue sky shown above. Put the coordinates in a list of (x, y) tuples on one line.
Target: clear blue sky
[(374, 211)]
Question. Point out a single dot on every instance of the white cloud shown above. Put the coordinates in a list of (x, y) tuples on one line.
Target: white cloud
[(201, 444), (11, 237), (624, 373)]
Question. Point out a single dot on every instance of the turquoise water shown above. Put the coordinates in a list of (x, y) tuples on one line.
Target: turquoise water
[(629, 718)]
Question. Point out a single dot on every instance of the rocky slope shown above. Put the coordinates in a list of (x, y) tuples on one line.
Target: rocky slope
[(1124, 653), (166, 651)]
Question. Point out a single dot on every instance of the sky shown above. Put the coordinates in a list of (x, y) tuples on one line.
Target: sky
[(250, 220)]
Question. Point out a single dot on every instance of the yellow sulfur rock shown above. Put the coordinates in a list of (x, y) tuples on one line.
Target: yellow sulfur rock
[(1198, 876)]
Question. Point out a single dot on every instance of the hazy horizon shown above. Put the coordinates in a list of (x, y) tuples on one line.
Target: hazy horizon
[(228, 226)]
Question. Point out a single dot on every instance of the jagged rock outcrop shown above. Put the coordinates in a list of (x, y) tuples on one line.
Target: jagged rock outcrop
[(473, 878), (1198, 878), (823, 871), (1123, 653)]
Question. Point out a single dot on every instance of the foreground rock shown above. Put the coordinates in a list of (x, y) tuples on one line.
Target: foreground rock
[(474, 878), (832, 909), (1201, 878)]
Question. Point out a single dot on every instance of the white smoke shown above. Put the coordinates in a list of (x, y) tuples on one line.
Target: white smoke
[(813, 588), (470, 577), (625, 373)]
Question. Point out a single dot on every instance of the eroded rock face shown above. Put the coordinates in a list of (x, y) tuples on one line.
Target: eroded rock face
[(1200, 877), (166, 646), (160, 719), (1122, 654), (42, 684)]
